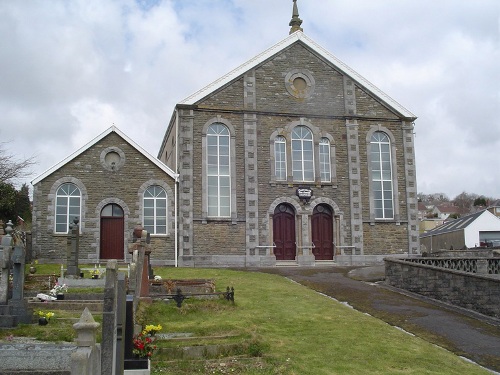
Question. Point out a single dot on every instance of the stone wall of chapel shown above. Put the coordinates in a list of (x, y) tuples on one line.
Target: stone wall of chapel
[(385, 238), (120, 186), (229, 98), (276, 108), (367, 106), (326, 99), (219, 238)]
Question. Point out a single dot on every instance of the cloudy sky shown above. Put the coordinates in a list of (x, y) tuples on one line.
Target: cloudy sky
[(71, 69)]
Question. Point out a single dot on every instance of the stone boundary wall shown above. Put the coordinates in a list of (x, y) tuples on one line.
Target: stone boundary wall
[(475, 292)]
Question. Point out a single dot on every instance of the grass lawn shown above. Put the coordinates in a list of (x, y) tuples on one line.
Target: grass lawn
[(277, 327), (292, 330)]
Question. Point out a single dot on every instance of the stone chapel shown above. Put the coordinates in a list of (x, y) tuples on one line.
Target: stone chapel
[(292, 158)]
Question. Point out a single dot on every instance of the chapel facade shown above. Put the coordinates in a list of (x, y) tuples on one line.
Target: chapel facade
[(292, 158)]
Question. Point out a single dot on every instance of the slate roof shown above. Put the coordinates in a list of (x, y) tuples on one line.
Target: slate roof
[(110, 130), (453, 225)]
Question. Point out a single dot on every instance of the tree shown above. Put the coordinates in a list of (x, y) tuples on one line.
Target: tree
[(480, 201), (14, 204), (464, 201), (12, 169)]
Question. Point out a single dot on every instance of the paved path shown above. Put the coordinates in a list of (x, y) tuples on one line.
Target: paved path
[(470, 335)]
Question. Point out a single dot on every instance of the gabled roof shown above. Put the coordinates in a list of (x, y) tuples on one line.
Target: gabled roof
[(455, 225), (288, 41), (112, 129)]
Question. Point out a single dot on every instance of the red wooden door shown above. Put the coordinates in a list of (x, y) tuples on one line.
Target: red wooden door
[(284, 232), (112, 232), (322, 232)]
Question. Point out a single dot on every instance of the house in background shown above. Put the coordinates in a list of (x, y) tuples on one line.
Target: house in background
[(470, 231), (494, 208), (293, 158), (111, 184)]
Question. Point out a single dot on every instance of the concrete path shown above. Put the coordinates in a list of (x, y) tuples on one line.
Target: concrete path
[(461, 331)]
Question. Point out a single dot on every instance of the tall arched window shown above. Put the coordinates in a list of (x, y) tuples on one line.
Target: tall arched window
[(381, 175), (324, 160), (68, 206), (280, 157), (218, 171), (302, 154), (155, 210)]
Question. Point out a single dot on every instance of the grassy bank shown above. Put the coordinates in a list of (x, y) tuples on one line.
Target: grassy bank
[(295, 330), (276, 326)]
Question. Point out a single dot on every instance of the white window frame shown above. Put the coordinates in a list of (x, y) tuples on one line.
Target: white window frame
[(325, 167), (382, 175), (155, 200), (65, 208), (302, 145), (280, 167), (218, 170)]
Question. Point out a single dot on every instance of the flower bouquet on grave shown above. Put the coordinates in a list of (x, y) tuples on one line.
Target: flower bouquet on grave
[(151, 329), (44, 317), (58, 290), (144, 346), (95, 273)]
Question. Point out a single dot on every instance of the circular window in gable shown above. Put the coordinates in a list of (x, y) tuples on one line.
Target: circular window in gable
[(300, 83), (112, 158)]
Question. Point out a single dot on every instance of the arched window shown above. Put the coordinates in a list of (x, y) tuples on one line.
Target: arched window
[(68, 206), (324, 160), (280, 157), (381, 175), (155, 210), (302, 154), (218, 171)]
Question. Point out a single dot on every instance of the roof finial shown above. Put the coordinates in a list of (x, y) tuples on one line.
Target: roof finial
[(296, 21)]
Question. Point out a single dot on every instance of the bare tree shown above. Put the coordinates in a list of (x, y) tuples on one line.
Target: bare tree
[(11, 168)]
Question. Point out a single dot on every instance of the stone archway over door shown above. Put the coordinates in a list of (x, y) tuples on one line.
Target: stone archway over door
[(284, 232), (112, 232), (322, 232)]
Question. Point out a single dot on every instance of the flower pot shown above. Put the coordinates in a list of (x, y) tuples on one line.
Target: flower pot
[(60, 297), (137, 366), (42, 321), (32, 270)]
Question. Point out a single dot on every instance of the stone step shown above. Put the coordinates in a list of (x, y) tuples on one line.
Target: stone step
[(67, 305)]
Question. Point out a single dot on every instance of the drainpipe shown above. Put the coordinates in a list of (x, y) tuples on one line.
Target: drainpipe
[(176, 243)]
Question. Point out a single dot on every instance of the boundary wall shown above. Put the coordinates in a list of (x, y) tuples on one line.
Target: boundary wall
[(479, 291)]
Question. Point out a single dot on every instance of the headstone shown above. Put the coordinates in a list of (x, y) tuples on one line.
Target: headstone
[(108, 343), (73, 244), (6, 247), (15, 310), (120, 323)]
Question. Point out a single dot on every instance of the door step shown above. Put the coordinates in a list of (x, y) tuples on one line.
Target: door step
[(286, 263)]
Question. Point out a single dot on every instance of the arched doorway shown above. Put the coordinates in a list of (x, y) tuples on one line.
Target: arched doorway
[(284, 232), (112, 229), (322, 232)]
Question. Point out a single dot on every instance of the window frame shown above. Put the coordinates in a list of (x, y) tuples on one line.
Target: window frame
[(302, 144), (155, 198), (280, 173), (66, 207), (218, 175), (382, 176), (325, 162)]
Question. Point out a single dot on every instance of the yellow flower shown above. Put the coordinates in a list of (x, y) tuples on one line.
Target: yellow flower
[(152, 329), (46, 315)]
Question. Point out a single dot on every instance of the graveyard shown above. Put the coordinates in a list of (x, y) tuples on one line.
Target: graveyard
[(269, 326)]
